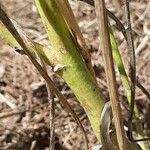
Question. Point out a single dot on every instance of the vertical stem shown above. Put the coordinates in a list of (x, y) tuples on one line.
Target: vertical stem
[(52, 118), (51, 111), (110, 73), (132, 65), (75, 73)]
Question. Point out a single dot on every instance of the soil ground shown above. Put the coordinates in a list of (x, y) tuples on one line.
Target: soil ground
[(24, 114)]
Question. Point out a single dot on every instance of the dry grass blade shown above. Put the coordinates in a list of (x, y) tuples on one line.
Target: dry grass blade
[(105, 121), (110, 73), (9, 114), (9, 25), (142, 88), (51, 111), (51, 117)]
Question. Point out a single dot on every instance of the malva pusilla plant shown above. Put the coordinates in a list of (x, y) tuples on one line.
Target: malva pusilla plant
[(69, 58)]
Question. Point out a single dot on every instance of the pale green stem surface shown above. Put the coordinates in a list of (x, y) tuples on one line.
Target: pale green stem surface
[(76, 74)]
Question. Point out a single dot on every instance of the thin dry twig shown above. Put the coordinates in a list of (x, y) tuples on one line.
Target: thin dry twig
[(33, 145), (8, 101), (141, 140), (132, 65), (142, 88), (51, 111), (10, 114), (110, 72), (51, 117)]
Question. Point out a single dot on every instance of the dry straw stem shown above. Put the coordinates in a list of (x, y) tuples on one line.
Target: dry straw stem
[(9, 25), (110, 73), (120, 66), (142, 88), (51, 111)]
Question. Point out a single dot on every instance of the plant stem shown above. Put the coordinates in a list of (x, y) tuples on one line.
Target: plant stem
[(132, 65), (110, 73), (75, 72)]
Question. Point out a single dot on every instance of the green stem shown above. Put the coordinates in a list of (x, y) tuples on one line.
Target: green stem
[(75, 72)]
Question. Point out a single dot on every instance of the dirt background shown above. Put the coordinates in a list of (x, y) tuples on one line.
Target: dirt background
[(24, 108)]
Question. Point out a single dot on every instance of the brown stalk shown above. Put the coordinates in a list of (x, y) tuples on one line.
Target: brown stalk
[(121, 28), (142, 88), (110, 72), (51, 110)]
